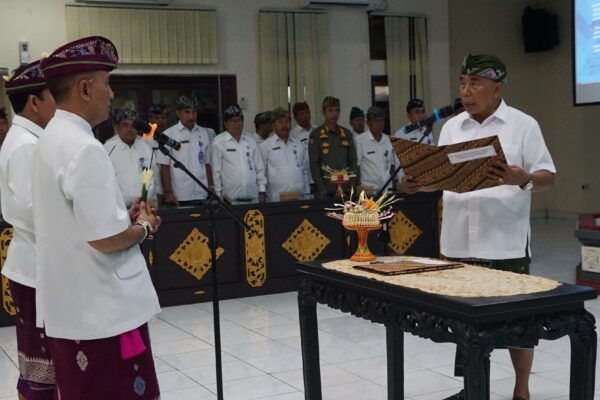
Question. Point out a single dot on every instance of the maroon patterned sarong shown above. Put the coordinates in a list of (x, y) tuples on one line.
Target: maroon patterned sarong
[(36, 379), (94, 369)]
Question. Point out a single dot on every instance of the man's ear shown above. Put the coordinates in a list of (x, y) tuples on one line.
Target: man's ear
[(33, 102), (83, 87)]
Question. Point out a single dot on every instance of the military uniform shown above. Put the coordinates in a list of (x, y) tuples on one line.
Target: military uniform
[(334, 149)]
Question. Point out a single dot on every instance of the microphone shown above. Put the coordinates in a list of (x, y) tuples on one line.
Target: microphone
[(149, 131), (437, 116)]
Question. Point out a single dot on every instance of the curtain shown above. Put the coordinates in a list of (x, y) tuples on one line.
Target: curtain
[(294, 59), (149, 36), (406, 64)]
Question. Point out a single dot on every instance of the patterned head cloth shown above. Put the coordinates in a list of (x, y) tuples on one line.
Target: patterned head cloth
[(356, 112), (485, 66), (414, 103), (375, 112), (122, 114), (232, 111), (263, 118), (94, 53), (3, 114), (26, 79), (157, 109), (280, 112), (300, 106), (331, 101), (184, 102)]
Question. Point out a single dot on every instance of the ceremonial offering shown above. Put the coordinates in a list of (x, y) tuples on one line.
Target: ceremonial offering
[(338, 176), (406, 267), (363, 216)]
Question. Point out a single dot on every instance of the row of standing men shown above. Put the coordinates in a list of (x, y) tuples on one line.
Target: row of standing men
[(260, 165)]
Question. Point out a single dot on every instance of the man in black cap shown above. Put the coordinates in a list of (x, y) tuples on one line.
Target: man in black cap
[(490, 227), (194, 154), (415, 112), (238, 167), (357, 121), (263, 122)]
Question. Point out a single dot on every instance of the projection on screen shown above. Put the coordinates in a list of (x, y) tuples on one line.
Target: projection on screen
[(587, 51)]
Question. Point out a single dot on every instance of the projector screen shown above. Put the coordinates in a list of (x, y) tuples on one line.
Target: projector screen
[(586, 51)]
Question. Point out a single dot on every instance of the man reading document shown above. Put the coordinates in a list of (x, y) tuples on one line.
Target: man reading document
[(491, 226)]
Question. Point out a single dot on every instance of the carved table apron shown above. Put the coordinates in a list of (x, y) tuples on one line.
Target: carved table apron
[(476, 325)]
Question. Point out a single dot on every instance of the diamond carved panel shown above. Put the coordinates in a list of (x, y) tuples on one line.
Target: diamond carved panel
[(403, 233), (193, 254), (306, 243)]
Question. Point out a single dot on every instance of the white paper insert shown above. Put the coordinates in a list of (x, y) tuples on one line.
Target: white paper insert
[(472, 154)]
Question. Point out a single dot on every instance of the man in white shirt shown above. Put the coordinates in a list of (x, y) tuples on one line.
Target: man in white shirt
[(415, 112), (129, 153), (302, 116), (157, 114), (34, 105), (238, 168), (178, 188), (263, 122), (491, 226), (286, 162), (374, 152), (94, 295), (357, 122)]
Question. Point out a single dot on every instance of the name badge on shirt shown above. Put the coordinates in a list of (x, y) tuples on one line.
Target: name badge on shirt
[(231, 149), (371, 152), (184, 141), (276, 148)]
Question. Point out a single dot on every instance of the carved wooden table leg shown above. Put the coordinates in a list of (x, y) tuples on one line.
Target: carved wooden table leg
[(395, 362), (477, 348), (583, 358), (309, 335)]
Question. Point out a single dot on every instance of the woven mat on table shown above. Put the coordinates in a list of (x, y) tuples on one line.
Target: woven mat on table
[(469, 281)]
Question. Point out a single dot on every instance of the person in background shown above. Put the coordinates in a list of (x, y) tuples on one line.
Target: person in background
[(302, 116), (94, 294), (238, 167), (263, 122), (194, 154), (3, 125), (415, 112), (129, 153), (34, 106), (158, 114), (374, 152), (332, 146), (357, 121), (286, 162)]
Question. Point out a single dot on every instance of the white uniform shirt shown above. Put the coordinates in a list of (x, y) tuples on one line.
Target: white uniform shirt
[(82, 293), (195, 155), (286, 166), (259, 138), (238, 169), (493, 223), (302, 135), (129, 162), (415, 135), (15, 186), (375, 159)]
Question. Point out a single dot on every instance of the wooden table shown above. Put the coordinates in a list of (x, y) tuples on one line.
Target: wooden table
[(476, 325)]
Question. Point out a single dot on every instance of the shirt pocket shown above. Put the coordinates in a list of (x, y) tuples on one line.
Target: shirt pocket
[(126, 265), (277, 158)]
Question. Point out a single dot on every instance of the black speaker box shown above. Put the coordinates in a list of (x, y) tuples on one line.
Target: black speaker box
[(540, 30)]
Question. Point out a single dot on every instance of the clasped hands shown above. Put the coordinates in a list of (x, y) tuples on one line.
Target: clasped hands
[(140, 211)]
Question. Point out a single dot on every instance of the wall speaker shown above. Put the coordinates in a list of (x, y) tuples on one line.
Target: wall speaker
[(540, 30)]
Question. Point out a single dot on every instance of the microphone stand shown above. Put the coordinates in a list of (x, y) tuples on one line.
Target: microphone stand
[(384, 235), (212, 203)]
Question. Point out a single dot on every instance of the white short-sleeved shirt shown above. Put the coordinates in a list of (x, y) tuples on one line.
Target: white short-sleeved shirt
[(238, 168), (129, 162), (415, 135), (15, 185), (195, 155), (493, 223), (375, 159), (302, 135), (83, 293), (286, 166)]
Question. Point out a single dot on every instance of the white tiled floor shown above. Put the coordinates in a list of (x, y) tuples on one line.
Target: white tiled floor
[(261, 347)]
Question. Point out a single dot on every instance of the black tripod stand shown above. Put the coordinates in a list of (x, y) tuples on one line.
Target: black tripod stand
[(211, 204), (384, 234)]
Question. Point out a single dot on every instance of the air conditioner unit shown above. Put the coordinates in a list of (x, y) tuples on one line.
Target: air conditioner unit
[(125, 2), (369, 5)]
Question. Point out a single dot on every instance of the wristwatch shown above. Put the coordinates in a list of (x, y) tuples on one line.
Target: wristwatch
[(147, 228), (527, 186)]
